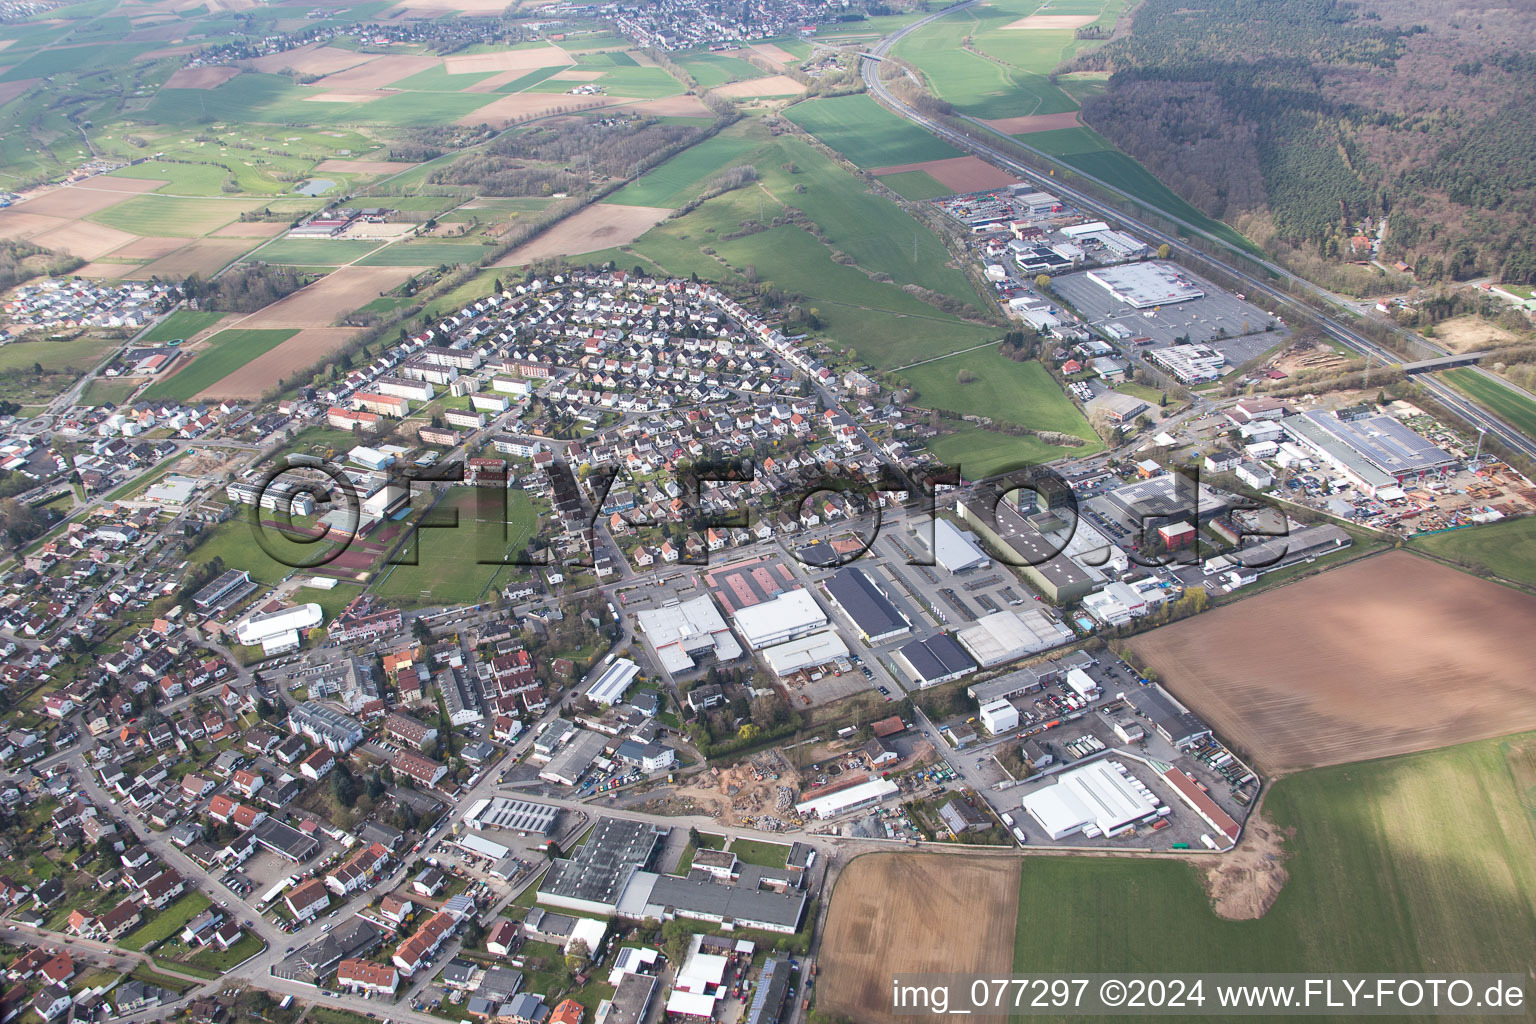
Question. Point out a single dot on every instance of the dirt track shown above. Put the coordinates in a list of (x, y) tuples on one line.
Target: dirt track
[(1390, 655), (908, 912)]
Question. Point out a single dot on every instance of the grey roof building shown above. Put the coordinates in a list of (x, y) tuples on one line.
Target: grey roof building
[(865, 605), (935, 660)]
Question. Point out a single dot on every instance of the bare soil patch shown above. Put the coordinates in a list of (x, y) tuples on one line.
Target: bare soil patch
[(670, 106), (1035, 123), (599, 226), (83, 239), (347, 96), (149, 248), (1243, 884), (1470, 333), (504, 111), (576, 75), (328, 299), (1051, 22), (1388, 655), (201, 78), (773, 85), (895, 913), (507, 60), (202, 256), (88, 197), (17, 223), (261, 374), (776, 54), (961, 173), (312, 59), (378, 72), (363, 166), (10, 90), (106, 271), (495, 82)]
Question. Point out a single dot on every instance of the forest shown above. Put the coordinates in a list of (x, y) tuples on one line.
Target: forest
[(1306, 122), (22, 260), (564, 157), (244, 288)]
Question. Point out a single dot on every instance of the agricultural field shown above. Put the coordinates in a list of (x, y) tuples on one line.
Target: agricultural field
[(225, 353), (915, 186), (180, 325), (979, 452), (1401, 864), (1505, 550), (458, 565), (715, 69), (156, 215), (76, 355), (1023, 394), (1504, 402), (965, 909), (314, 252), (1387, 655), (866, 133), (681, 179)]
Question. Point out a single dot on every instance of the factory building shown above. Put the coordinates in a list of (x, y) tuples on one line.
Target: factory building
[(999, 716), (1168, 717), (1374, 452), (1038, 557), (686, 633), (805, 653), (1100, 798), (955, 550), (866, 606), (791, 615), (1145, 285), (609, 688), (865, 794), (938, 659), (1011, 634)]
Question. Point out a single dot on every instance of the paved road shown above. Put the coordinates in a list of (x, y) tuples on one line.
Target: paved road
[(1331, 325)]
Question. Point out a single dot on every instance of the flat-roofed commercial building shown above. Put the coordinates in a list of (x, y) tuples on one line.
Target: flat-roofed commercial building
[(1043, 563), (807, 652), (1101, 798), (934, 660), (1374, 452), (866, 606), (685, 633), (791, 615), (593, 878), (522, 816)]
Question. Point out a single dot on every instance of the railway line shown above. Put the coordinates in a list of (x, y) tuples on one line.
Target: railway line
[(1330, 324)]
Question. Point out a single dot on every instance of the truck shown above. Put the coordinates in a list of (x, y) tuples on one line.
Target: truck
[(1018, 834), (1007, 819)]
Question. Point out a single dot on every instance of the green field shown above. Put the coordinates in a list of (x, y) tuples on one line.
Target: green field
[(425, 253), (867, 133), (161, 925), (978, 452), (1506, 549), (714, 69), (766, 855), (1507, 404), (165, 215), (1420, 863), (104, 391), (314, 252), (1023, 394), (182, 324), (683, 177), (447, 569), (915, 185), (236, 544), (80, 354), (227, 351)]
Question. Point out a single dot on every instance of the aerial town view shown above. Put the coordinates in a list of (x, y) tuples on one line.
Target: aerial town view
[(793, 512)]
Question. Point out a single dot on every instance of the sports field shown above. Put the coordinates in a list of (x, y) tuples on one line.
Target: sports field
[(1505, 549), (1385, 655), (1023, 394), (866, 133), (1509, 405), (225, 353), (449, 567)]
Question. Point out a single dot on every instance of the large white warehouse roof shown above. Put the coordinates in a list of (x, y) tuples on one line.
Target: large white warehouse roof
[(684, 631), (806, 652), (1097, 794), (259, 628), (610, 686), (792, 614)]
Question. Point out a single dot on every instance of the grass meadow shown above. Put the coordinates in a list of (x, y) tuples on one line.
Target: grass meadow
[(866, 133), (1506, 549)]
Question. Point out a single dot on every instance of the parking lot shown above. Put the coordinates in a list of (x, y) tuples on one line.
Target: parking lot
[(1218, 314)]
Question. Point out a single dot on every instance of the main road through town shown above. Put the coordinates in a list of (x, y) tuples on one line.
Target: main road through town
[(1333, 326)]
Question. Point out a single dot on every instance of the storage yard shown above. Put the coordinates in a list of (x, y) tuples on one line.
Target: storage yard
[(881, 901), (1386, 656)]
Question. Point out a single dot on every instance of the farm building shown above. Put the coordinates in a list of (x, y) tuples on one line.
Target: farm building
[(1098, 798), (866, 606), (685, 633)]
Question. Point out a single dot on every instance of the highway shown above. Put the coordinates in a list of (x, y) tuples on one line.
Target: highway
[(1332, 326)]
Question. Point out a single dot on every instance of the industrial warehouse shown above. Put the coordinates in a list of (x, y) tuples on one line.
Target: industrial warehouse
[(685, 634)]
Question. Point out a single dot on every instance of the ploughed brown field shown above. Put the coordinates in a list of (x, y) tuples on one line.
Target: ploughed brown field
[(1387, 655), (961, 173), (895, 913)]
